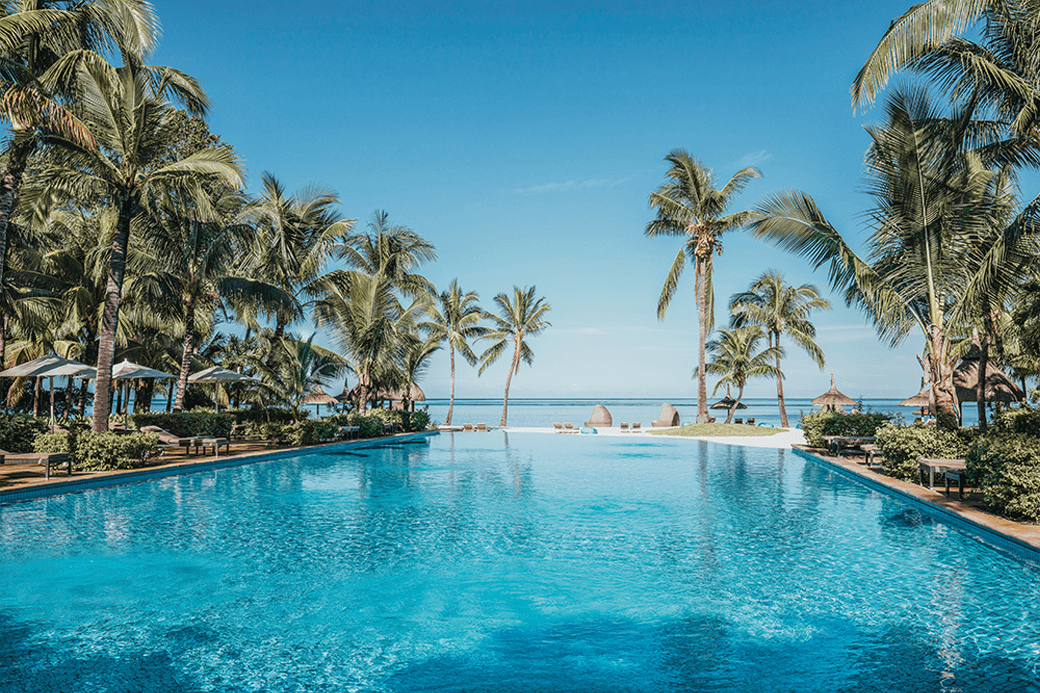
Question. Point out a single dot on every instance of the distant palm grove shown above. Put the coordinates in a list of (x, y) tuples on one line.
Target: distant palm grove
[(126, 233), (953, 257)]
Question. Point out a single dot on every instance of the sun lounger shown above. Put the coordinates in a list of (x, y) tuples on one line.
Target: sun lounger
[(168, 440), (47, 459), (569, 428), (482, 427), (751, 421), (349, 431), (637, 427), (558, 427), (215, 443), (467, 427), (624, 428), (739, 422)]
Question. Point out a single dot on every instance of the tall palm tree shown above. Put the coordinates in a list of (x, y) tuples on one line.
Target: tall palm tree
[(456, 319), (922, 181), (296, 236), (781, 309), (688, 205), (188, 268), (129, 117), (736, 358), (519, 318), (392, 251)]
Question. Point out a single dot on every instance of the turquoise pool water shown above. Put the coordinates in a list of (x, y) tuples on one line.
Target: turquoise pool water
[(519, 562)]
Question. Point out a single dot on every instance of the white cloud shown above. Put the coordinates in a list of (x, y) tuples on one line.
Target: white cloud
[(754, 158), (572, 185)]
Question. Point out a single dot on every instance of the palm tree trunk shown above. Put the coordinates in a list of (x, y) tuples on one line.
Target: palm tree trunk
[(451, 401), (362, 394), (110, 317), (946, 408), (279, 332), (70, 390), (17, 157), (36, 398), (702, 320), (512, 369), (189, 348), (980, 383), (780, 387)]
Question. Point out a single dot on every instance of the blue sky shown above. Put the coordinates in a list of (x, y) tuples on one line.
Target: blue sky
[(523, 139)]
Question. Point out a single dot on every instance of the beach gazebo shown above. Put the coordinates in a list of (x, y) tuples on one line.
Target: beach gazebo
[(833, 399), (727, 402), (318, 397), (922, 399)]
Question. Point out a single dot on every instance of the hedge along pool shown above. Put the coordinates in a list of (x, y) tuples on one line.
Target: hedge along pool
[(508, 562)]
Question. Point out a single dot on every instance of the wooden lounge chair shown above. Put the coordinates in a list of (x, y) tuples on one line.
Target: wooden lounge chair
[(667, 418), (624, 428), (215, 443), (751, 421), (558, 427), (482, 427), (467, 427), (637, 427), (47, 459), (739, 421), (569, 428), (167, 440)]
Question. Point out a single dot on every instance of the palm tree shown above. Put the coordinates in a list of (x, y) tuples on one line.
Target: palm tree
[(456, 319), (127, 115), (392, 251), (414, 365), (296, 236), (518, 319), (917, 275), (689, 205), (300, 366), (736, 359), (780, 309), (188, 266)]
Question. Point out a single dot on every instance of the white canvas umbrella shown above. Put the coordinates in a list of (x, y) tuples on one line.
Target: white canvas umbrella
[(128, 370), (50, 367), (216, 374)]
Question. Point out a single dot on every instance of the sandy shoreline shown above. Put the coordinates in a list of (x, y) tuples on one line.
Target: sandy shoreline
[(785, 439)]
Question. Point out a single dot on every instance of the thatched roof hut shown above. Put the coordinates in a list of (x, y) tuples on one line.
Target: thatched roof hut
[(921, 399), (727, 402), (833, 399), (396, 397), (600, 417), (318, 397), (999, 388)]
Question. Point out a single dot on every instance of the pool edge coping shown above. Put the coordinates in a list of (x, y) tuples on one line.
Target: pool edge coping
[(960, 518), (135, 476)]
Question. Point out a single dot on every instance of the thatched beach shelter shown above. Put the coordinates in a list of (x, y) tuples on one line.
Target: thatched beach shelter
[(922, 399), (833, 399), (600, 417), (999, 388), (727, 402), (398, 398), (318, 397)]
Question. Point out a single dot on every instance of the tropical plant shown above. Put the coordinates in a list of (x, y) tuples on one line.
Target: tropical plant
[(393, 252), (415, 363), (456, 319), (519, 317), (735, 357), (781, 309), (689, 205), (300, 366), (127, 114)]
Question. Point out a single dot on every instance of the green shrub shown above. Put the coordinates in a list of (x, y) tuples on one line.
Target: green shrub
[(370, 425), (98, 452), (902, 446), (865, 424), (312, 432), (188, 423), (1007, 469), (1025, 420), (420, 420), (259, 415), (812, 427), (18, 432), (53, 442)]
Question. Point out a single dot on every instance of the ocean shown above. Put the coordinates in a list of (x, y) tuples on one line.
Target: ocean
[(541, 413)]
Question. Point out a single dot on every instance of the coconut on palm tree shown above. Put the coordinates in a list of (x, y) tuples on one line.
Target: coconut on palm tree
[(689, 206), (455, 318), (519, 317), (780, 309), (736, 358), (129, 117)]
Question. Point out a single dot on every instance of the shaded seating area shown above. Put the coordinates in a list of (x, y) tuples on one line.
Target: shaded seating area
[(668, 417), (601, 418), (47, 459)]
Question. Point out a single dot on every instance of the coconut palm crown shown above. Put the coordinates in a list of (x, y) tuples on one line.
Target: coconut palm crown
[(690, 206)]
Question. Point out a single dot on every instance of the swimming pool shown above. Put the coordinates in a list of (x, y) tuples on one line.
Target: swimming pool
[(508, 562)]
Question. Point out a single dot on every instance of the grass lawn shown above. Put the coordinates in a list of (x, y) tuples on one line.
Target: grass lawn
[(719, 430)]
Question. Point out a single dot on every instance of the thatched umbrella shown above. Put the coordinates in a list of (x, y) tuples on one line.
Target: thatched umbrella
[(318, 397), (922, 399), (727, 402), (833, 399), (414, 394), (999, 388)]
